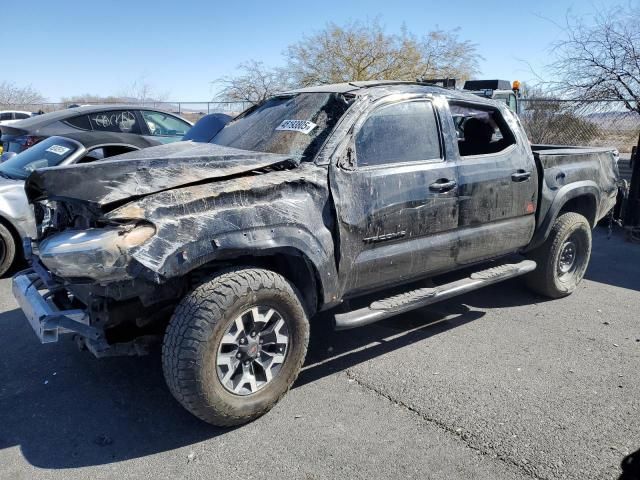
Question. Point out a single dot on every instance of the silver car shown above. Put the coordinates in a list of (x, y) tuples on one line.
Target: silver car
[(16, 215)]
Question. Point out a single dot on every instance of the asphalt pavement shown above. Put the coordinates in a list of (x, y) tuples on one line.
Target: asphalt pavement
[(497, 384)]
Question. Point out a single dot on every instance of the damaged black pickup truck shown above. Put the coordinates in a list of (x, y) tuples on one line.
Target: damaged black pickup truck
[(341, 197)]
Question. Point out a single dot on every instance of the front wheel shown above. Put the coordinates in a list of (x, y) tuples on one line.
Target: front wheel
[(7, 250), (563, 258), (234, 345)]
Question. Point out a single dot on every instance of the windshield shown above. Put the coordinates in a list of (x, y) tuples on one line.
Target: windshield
[(48, 153), (293, 125)]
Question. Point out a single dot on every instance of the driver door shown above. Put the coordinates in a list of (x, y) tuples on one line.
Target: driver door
[(397, 201)]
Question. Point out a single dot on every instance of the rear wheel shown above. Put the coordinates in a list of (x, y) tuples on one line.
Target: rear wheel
[(7, 249), (563, 258), (235, 345)]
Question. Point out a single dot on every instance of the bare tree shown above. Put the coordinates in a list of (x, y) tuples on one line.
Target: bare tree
[(88, 98), (600, 60), (364, 51), (11, 94), (142, 91), (254, 84), (444, 55)]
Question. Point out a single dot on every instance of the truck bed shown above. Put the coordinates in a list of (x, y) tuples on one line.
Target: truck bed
[(593, 169)]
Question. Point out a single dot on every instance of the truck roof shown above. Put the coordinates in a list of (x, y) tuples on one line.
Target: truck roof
[(380, 88)]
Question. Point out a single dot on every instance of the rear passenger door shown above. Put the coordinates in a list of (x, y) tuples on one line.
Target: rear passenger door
[(498, 183), (396, 197)]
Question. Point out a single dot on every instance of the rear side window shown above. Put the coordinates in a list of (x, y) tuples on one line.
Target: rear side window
[(21, 116), (402, 132), (481, 130), (121, 121), (81, 122), (105, 152)]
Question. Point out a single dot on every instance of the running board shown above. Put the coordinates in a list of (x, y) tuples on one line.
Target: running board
[(404, 302)]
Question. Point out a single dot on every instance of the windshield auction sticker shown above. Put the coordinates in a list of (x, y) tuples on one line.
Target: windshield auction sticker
[(58, 149), (301, 126)]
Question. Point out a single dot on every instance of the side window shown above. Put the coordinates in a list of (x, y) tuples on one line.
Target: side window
[(5, 116), (21, 116), (481, 130), (93, 155), (513, 103), (402, 132), (81, 122), (101, 153), (163, 124), (122, 121)]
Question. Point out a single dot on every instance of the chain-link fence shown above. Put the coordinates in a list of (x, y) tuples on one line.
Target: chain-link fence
[(605, 123), (192, 111), (599, 123)]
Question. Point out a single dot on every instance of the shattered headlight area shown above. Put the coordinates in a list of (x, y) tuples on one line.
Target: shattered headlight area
[(98, 254), (56, 216), (44, 214)]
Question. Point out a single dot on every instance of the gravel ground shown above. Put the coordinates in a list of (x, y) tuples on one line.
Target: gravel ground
[(498, 384)]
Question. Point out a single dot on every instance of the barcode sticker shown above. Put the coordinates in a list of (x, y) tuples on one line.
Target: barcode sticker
[(302, 126), (58, 149)]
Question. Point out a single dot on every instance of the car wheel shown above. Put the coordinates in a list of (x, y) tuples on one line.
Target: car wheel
[(235, 345), (7, 250), (563, 258)]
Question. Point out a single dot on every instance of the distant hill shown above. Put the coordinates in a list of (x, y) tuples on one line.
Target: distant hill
[(622, 120)]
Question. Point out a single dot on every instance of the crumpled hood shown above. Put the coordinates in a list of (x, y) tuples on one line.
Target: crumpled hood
[(147, 171)]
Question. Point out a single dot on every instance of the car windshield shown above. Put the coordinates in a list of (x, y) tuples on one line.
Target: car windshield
[(48, 153), (294, 125)]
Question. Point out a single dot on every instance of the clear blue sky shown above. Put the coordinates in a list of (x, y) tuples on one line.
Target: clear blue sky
[(68, 47)]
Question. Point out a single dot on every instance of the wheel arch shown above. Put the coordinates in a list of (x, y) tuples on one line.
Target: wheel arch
[(291, 263), (585, 204), (14, 233), (579, 197)]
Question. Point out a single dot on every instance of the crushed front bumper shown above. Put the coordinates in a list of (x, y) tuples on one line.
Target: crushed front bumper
[(33, 289)]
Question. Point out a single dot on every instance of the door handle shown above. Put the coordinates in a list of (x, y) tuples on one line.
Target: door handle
[(520, 176), (443, 185)]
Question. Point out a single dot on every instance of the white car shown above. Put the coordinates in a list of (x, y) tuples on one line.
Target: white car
[(8, 117)]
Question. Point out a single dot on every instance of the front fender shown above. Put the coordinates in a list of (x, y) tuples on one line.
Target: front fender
[(316, 247), (247, 216), (15, 209)]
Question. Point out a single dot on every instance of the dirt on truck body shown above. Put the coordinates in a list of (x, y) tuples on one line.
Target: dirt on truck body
[(226, 250)]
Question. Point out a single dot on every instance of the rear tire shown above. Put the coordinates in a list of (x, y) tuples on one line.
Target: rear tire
[(563, 258), (7, 250), (235, 345)]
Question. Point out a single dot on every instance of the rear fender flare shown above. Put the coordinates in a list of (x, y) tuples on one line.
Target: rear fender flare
[(565, 194)]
